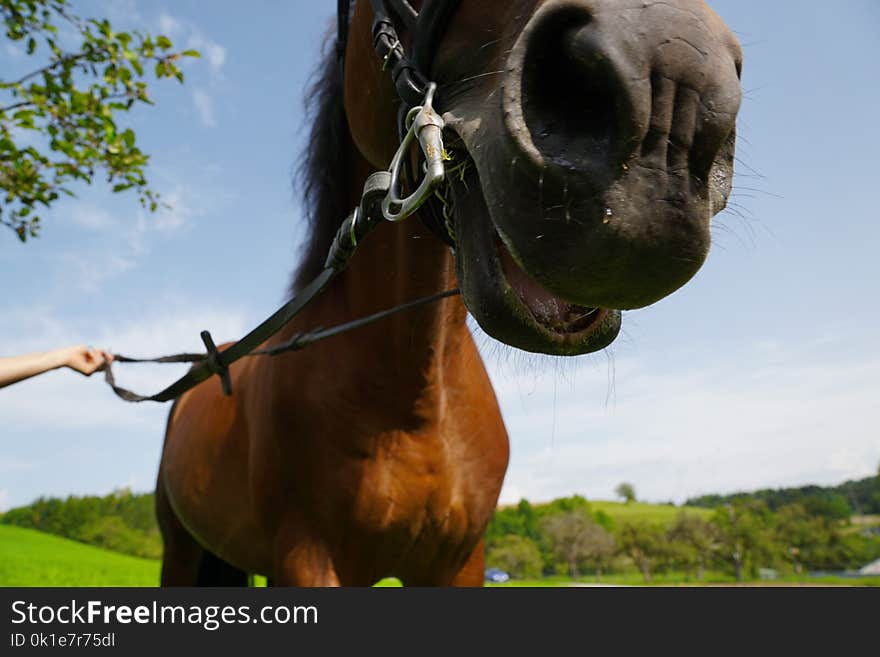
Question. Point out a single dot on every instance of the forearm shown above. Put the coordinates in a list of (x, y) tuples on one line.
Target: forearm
[(19, 368)]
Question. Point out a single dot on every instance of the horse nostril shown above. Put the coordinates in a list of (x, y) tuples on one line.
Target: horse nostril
[(575, 103)]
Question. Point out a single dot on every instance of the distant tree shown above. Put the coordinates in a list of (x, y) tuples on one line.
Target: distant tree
[(600, 548), (744, 535), (626, 491), (693, 542), (529, 518), (58, 120), (517, 555), (645, 544), (519, 520), (799, 535), (569, 536), (817, 542)]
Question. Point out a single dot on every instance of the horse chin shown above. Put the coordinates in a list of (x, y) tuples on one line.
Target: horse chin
[(506, 301)]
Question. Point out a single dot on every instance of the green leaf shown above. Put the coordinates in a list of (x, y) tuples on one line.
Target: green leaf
[(70, 105)]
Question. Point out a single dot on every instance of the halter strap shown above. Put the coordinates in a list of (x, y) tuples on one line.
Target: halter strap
[(411, 74)]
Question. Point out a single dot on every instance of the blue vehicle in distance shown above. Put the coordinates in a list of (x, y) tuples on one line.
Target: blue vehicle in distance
[(496, 576)]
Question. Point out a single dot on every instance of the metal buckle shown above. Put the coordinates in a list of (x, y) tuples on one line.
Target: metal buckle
[(426, 125)]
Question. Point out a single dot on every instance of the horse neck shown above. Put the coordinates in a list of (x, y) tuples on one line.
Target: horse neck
[(397, 263)]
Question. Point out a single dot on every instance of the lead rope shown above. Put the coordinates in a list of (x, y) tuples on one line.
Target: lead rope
[(297, 342), (380, 200)]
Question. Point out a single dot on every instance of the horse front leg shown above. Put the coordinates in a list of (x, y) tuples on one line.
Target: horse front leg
[(473, 572), (303, 561)]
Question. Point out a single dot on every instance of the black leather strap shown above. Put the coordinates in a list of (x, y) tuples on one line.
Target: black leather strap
[(353, 230), (434, 19)]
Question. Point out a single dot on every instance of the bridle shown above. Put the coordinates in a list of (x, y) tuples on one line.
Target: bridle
[(411, 75), (382, 198)]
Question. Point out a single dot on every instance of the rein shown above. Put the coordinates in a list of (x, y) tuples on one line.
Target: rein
[(382, 197)]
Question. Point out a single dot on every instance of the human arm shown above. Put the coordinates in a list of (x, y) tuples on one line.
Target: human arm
[(80, 358)]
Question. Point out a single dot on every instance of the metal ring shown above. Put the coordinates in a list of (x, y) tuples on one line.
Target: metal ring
[(426, 125)]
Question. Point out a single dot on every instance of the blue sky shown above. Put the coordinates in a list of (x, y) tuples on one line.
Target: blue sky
[(763, 371)]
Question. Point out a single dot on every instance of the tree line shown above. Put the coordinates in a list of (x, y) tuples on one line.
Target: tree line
[(122, 521), (857, 497), (566, 537)]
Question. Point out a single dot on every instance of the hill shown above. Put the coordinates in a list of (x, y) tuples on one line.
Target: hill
[(121, 521), (32, 558), (858, 497), (664, 514)]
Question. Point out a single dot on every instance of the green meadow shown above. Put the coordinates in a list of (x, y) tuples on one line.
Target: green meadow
[(32, 558), (663, 514)]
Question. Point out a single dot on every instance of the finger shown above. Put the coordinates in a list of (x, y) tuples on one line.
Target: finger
[(104, 360)]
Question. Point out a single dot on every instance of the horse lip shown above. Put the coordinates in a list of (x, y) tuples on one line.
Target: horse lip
[(599, 315), (606, 321)]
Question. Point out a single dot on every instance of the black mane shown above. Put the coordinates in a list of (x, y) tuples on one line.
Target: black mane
[(323, 174)]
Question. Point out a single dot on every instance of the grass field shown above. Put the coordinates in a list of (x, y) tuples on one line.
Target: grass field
[(642, 512), (32, 558)]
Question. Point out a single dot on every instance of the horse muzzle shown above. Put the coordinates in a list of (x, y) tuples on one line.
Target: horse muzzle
[(611, 147)]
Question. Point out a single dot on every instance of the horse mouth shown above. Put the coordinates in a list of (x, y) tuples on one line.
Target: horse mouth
[(550, 311), (501, 294)]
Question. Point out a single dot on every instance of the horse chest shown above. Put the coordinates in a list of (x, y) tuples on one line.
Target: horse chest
[(413, 490)]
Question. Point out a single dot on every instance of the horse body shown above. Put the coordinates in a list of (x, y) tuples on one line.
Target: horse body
[(595, 141), (344, 463)]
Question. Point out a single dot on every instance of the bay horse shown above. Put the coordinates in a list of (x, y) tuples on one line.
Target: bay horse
[(591, 142)]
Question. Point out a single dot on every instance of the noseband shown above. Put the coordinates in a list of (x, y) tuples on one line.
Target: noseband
[(412, 80)]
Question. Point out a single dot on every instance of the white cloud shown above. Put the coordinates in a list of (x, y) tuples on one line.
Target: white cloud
[(91, 271), (176, 30), (169, 26), (122, 12), (91, 216), (213, 52), (205, 107), (750, 420), (183, 208), (12, 50)]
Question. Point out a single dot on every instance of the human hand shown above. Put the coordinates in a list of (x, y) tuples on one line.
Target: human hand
[(86, 359)]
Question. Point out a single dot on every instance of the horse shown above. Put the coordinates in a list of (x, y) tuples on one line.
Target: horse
[(589, 144)]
